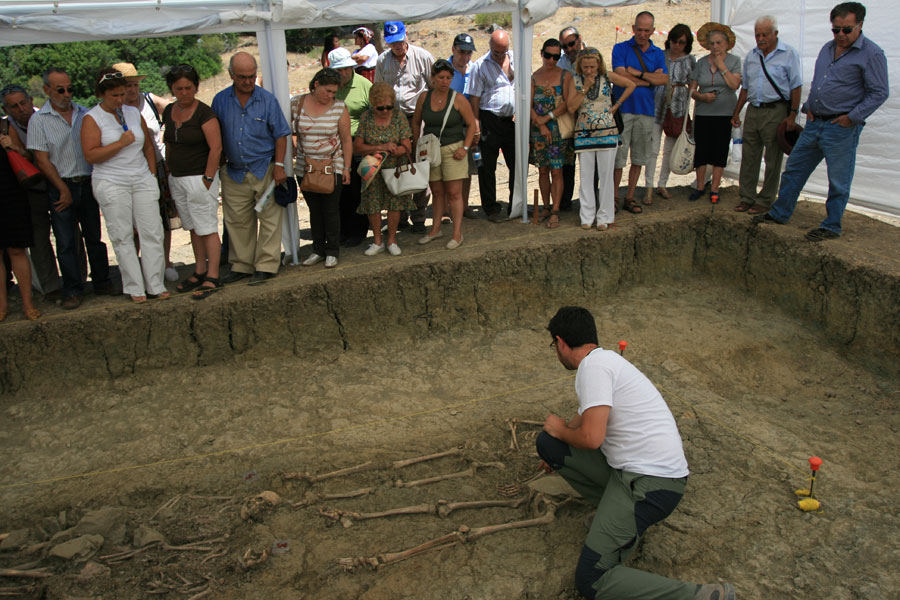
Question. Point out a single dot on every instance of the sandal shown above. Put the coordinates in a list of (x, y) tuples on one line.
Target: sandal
[(546, 213), (139, 299), (647, 200), (756, 209), (553, 223), (631, 206), (743, 207), (32, 314), (188, 285), (205, 290), (663, 193)]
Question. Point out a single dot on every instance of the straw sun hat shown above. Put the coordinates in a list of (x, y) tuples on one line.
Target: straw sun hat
[(128, 70), (703, 34)]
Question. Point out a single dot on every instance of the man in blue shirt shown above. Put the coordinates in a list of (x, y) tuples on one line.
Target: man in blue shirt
[(850, 82), (773, 92), (461, 59), (645, 64), (254, 138)]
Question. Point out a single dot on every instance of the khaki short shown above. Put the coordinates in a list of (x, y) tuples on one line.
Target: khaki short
[(635, 135), (450, 169)]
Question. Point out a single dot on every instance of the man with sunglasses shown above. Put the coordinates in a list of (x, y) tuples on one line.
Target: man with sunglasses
[(572, 44), (54, 135), (19, 106), (492, 95), (461, 59), (645, 64), (407, 68), (255, 141), (850, 82), (771, 83)]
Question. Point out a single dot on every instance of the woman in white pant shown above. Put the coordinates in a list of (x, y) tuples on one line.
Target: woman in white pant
[(115, 139), (671, 98), (596, 134)]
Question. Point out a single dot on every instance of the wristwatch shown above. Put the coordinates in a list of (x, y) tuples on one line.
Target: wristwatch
[(466, 148), (208, 179)]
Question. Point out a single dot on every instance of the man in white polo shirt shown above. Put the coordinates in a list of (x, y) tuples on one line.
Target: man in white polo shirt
[(622, 452)]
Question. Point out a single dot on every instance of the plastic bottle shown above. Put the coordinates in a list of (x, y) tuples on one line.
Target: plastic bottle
[(737, 144), (476, 155)]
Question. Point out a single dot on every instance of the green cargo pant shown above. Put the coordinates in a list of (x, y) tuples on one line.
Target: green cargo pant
[(627, 504)]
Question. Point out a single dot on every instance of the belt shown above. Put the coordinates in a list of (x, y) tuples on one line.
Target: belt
[(770, 104), (79, 179), (825, 117)]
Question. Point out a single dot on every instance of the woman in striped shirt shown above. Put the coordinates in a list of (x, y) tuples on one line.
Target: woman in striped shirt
[(322, 126)]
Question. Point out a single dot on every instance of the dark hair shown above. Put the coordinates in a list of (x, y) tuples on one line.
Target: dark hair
[(645, 13), (575, 325), (442, 65), (13, 88), (326, 76), (551, 43), (106, 83), (182, 72), (681, 30), (328, 43), (48, 72), (845, 8), (570, 29)]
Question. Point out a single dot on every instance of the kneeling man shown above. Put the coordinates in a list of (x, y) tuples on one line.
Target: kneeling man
[(621, 452)]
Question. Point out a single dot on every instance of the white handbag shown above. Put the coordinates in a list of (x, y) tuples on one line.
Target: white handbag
[(429, 145), (682, 160), (407, 179)]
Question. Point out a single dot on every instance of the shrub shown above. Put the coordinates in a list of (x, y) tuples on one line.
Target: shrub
[(503, 19)]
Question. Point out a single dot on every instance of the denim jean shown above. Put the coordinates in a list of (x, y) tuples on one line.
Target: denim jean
[(85, 212), (837, 145)]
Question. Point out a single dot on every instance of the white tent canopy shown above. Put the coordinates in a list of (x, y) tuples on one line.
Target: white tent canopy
[(804, 25)]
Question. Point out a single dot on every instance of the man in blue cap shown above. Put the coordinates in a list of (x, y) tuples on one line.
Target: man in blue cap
[(407, 69)]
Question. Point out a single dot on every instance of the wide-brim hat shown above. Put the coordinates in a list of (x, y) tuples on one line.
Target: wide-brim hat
[(340, 58), (703, 34), (369, 167), (129, 71), (788, 137)]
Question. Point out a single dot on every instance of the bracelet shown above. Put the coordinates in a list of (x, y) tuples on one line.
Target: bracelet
[(279, 164), (641, 76)]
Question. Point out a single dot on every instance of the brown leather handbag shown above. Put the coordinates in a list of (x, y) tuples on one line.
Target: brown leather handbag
[(318, 175)]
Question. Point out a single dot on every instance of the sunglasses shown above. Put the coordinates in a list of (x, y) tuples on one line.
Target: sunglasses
[(845, 30), (682, 41), (182, 69), (550, 56), (384, 108), (111, 76), (572, 43), (70, 89)]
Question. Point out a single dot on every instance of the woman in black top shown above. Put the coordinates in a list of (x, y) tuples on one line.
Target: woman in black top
[(193, 148)]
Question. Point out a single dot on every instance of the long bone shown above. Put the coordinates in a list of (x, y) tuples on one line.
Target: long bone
[(462, 535), (313, 498), (473, 468), (442, 508), (371, 466)]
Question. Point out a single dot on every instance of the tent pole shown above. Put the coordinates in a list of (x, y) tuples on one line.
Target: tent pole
[(522, 42)]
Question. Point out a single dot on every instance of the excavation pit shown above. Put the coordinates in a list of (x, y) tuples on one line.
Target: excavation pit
[(768, 349)]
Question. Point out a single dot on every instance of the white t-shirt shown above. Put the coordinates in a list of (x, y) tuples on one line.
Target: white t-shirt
[(641, 434), (129, 163), (372, 54)]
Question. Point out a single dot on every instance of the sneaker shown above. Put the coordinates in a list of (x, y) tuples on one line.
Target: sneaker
[(419, 228), (602, 226), (374, 249), (330, 261), (312, 260), (586, 226), (394, 250), (766, 218), (427, 239), (171, 274), (453, 244), (714, 591), (820, 235)]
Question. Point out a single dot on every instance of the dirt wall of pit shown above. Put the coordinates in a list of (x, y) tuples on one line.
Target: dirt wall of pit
[(857, 304)]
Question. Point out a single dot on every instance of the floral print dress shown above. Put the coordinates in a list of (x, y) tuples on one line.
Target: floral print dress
[(558, 151), (377, 196)]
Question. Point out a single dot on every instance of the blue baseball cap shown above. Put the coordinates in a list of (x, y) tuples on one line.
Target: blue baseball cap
[(394, 31)]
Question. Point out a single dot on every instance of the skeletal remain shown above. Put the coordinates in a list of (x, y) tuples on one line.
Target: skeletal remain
[(513, 443), (251, 559), (313, 498), (17, 591), (198, 546), (473, 468), (342, 515), (462, 535), (371, 466), (31, 573), (527, 422), (168, 504), (509, 490), (255, 504)]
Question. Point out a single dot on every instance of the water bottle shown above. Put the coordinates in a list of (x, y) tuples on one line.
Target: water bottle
[(476, 156), (737, 144)]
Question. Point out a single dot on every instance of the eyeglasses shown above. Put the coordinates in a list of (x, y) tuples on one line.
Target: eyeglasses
[(62, 90), (550, 56), (572, 43), (385, 107), (845, 30), (245, 77), (553, 344), (111, 76), (680, 42)]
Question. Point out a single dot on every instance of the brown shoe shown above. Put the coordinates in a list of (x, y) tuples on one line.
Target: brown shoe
[(70, 302)]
